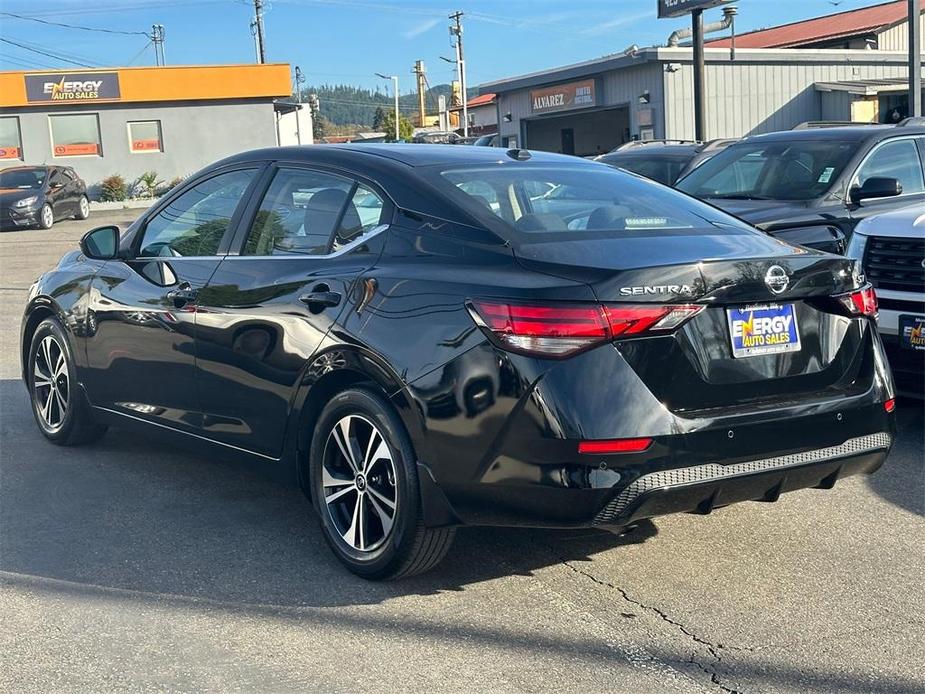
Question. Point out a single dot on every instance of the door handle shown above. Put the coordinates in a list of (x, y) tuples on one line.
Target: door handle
[(321, 300), (183, 294)]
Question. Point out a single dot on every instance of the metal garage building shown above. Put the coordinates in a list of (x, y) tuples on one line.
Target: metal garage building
[(126, 121), (591, 107)]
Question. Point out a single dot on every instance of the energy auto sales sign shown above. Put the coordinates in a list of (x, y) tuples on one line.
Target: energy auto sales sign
[(72, 87), (563, 97)]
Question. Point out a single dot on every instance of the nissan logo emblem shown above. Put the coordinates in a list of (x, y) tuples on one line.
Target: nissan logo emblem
[(777, 279)]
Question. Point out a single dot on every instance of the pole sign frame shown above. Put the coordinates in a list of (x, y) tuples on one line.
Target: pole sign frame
[(668, 9)]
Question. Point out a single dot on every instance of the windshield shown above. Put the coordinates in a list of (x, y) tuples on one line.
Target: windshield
[(548, 202), (802, 170), (24, 179)]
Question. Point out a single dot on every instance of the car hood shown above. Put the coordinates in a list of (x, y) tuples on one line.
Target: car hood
[(770, 214), (908, 222), (10, 195)]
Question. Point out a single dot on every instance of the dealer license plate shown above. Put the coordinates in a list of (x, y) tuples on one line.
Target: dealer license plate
[(912, 332), (766, 329)]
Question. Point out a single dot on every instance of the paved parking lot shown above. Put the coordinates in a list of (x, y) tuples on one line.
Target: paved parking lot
[(135, 567)]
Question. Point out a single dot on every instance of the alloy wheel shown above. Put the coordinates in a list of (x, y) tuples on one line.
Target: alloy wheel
[(50, 383), (358, 481), (84, 208), (47, 217)]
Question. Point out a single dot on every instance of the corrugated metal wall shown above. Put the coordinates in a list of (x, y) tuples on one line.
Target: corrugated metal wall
[(897, 38), (745, 98)]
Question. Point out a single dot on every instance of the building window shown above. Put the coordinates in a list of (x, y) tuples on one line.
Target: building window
[(10, 138), (144, 136), (75, 135)]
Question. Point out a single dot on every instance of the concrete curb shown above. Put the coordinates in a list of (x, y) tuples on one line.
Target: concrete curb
[(121, 205)]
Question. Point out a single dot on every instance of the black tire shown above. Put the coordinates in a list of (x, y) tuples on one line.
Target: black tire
[(83, 210), (46, 217), (408, 547), (64, 417)]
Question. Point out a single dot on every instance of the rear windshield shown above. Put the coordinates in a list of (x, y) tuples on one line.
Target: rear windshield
[(802, 170), (546, 202), (662, 169)]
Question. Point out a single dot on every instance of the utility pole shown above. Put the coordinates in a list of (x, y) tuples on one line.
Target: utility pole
[(422, 88), (456, 30), (261, 42), (158, 34), (700, 113), (256, 42), (299, 81), (915, 59)]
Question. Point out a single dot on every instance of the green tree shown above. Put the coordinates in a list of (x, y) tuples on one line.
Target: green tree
[(319, 127), (378, 119), (405, 128)]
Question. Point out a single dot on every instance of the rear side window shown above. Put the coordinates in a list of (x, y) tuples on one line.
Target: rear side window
[(554, 201), (898, 159), (194, 223)]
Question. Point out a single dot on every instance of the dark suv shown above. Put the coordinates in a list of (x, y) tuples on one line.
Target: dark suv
[(812, 186), (664, 161)]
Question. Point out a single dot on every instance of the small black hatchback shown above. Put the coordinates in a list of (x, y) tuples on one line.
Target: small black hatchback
[(432, 336)]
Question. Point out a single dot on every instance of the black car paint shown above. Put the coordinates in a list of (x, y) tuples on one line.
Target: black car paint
[(62, 189), (826, 222), (245, 366)]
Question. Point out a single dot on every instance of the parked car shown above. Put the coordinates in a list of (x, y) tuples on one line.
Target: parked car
[(448, 362), (891, 247), (811, 186), (664, 161), (486, 140), (37, 196)]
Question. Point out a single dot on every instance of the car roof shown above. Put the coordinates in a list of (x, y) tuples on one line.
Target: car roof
[(29, 168), (667, 149), (854, 133), (412, 155)]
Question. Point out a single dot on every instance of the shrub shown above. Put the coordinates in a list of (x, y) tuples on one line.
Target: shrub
[(146, 186), (113, 189), (169, 185)]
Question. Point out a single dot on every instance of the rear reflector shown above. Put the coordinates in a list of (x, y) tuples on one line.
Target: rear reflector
[(559, 330), (614, 446), (862, 302), (889, 405)]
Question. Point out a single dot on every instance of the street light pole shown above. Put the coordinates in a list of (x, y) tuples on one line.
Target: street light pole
[(915, 59), (394, 79), (456, 30)]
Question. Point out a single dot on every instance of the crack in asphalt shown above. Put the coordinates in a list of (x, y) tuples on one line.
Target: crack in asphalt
[(712, 648)]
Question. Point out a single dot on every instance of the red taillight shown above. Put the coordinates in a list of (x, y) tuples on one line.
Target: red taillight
[(558, 330), (862, 302), (889, 405), (614, 446)]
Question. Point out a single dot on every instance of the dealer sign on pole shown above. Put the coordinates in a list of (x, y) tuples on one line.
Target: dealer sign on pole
[(676, 8)]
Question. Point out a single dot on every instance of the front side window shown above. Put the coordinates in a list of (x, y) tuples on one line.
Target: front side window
[(194, 223), (10, 138), (145, 136), (301, 212), (898, 159), (76, 135), (548, 202), (801, 170)]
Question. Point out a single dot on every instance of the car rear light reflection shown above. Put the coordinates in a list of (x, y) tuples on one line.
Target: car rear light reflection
[(889, 405), (862, 302), (614, 446), (559, 330)]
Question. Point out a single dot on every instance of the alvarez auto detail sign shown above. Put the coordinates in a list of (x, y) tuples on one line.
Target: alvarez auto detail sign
[(71, 87), (563, 97)]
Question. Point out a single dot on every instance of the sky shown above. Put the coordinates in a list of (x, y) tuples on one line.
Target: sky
[(347, 41)]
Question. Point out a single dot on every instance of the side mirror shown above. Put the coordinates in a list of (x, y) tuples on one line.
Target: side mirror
[(101, 243), (876, 187)]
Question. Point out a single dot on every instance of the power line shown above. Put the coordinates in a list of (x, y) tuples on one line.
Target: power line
[(73, 26), (50, 55)]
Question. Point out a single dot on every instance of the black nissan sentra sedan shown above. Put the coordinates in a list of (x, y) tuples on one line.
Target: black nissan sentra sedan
[(427, 339)]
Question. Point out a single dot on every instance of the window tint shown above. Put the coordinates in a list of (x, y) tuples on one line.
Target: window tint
[(363, 213), (298, 214), (551, 201), (801, 170), (663, 170), (194, 223), (898, 159)]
